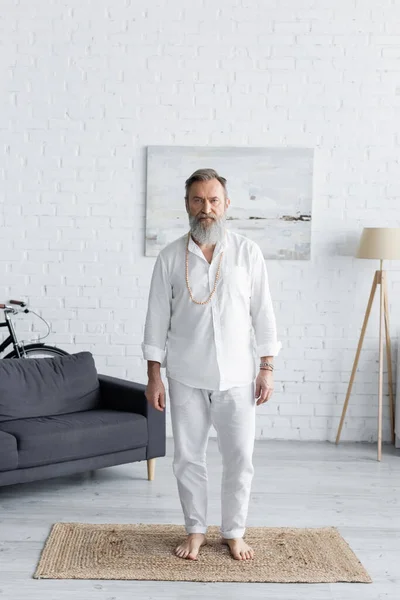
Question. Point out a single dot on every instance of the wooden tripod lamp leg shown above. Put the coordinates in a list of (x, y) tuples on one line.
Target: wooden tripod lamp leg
[(360, 343), (380, 386), (389, 357)]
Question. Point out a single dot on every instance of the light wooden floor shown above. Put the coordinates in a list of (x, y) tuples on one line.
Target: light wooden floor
[(295, 484)]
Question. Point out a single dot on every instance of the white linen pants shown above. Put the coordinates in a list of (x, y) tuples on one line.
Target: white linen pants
[(232, 413)]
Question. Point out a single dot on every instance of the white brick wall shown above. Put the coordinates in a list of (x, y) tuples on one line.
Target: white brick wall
[(88, 84)]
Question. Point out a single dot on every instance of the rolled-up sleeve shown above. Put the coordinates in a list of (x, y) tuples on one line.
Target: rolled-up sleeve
[(261, 308), (158, 316)]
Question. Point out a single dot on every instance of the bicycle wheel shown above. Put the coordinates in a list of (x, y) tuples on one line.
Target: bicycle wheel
[(39, 351)]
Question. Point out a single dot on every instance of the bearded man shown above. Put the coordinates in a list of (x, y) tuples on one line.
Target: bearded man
[(209, 316)]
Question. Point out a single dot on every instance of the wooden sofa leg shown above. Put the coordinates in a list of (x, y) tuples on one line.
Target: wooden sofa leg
[(151, 466)]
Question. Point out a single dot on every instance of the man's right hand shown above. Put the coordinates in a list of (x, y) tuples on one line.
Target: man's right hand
[(155, 393)]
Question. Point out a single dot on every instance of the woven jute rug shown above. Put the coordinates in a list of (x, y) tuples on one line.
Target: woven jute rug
[(146, 552)]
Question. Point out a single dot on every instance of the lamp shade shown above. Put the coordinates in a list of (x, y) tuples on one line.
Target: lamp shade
[(379, 242)]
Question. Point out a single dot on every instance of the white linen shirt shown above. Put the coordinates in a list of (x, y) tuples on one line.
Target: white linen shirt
[(214, 346)]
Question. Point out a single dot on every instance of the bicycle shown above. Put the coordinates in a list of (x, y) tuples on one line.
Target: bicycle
[(35, 350)]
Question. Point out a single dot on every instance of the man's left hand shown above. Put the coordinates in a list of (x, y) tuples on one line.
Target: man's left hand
[(264, 386)]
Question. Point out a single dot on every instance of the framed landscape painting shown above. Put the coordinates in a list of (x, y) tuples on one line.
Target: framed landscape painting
[(270, 191)]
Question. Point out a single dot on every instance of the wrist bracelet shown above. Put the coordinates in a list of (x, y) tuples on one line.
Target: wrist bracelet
[(267, 364)]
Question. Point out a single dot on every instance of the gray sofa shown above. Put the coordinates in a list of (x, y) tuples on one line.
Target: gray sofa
[(58, 417)]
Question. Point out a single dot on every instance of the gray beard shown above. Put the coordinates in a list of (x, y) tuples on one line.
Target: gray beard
[(207, 233)]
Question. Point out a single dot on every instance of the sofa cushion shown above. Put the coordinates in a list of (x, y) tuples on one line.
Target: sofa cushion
[(8, 452), (37, 387), (59, 438)]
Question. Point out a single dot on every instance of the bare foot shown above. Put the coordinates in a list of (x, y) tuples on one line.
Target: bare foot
[(239, 549), (191, 546)]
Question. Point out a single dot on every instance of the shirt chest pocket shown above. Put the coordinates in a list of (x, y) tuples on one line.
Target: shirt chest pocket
[(236, 281)]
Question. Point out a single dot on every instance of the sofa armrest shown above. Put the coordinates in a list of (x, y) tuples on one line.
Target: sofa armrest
[(121, 394)]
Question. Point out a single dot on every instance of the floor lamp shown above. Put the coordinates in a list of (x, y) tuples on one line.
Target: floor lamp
[(382, 243)]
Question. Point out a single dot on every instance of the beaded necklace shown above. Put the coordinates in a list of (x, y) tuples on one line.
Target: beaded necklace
[(187, 277)]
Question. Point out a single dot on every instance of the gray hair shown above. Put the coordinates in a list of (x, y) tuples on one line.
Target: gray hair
[(204, 175)]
